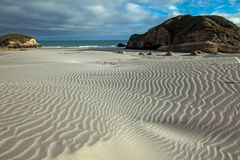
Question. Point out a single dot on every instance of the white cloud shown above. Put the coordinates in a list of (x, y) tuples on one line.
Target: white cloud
[(99, 10), (87, 17), (232, 1), (135, 12), (133, 7), (235, 18), (172, 7), (175, 13)]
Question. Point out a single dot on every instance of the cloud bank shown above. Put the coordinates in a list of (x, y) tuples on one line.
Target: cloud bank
[(97, 19)]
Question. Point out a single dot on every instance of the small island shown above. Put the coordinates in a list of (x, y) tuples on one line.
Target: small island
[(18, 41), (188, 33)]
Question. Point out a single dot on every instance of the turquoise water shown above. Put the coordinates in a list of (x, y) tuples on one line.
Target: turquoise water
[(82, 44)]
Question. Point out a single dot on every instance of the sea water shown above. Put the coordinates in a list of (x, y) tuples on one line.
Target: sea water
[(82, 44)]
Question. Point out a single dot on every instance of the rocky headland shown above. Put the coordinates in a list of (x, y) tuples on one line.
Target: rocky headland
[(18, 41), (188, 33)]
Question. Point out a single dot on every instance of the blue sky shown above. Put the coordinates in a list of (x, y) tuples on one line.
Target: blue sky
[(102, 19)]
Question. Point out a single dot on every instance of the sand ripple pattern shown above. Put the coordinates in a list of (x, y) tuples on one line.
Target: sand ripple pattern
[(188, 109)]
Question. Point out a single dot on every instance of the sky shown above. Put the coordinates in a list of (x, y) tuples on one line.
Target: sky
[(101, 19)]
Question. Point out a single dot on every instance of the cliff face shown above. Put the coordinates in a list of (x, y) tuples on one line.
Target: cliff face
[(18, 41), (188, 33)]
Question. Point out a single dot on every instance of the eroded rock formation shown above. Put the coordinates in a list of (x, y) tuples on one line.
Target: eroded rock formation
[(187, 33), (18, 41)]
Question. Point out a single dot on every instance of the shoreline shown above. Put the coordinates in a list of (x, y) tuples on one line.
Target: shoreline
[(119, 49)]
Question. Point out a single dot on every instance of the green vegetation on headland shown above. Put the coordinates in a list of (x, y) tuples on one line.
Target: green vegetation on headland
[(17, 41), (187, 33)]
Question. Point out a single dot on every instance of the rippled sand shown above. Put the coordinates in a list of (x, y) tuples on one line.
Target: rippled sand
[(95, 105)]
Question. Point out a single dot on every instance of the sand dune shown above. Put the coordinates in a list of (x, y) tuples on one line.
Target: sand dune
[(57, 105)]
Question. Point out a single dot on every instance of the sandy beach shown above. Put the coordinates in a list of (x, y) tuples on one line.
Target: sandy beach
[(70, 104)]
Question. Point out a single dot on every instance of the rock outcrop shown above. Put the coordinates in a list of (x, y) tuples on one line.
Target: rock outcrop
[(18, 41), (188, 33), (121, 45), (196, 53), (169, 53)]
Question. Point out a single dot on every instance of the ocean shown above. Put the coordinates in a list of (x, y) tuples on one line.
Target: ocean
[(82, 44)]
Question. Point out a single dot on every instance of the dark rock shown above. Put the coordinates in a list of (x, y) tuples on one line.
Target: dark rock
[(169, 53), (199, 52), (121, 52), (121, 45), (149, 53), (18, 41), (140, 54), (188, 33), (196, 53)]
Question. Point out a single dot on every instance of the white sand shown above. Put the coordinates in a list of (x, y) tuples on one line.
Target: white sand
[(68, 104)]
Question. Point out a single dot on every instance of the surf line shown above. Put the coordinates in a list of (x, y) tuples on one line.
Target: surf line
[(237, 59)]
